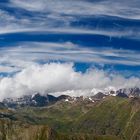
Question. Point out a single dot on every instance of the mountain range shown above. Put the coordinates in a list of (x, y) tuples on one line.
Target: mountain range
[(109, 115), (93, 95)]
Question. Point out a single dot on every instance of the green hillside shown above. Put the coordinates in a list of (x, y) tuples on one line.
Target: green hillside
[(110, 119)]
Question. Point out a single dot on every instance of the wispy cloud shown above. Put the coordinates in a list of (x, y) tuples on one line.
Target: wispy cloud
[(127, 9), (58, 16), (27, 54)]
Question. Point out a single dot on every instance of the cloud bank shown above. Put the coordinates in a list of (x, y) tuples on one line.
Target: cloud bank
[(59, 77)]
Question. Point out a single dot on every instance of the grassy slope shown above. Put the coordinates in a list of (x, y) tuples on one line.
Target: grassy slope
[(112, 117), (15, 130)]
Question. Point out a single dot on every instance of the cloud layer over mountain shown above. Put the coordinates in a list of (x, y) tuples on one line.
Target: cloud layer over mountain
[(56, 77)]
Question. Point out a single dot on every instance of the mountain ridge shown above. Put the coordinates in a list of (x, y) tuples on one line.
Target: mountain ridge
[(38, 99)]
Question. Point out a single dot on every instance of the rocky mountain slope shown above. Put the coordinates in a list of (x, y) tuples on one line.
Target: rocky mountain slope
[(93, 95), (103, 116)]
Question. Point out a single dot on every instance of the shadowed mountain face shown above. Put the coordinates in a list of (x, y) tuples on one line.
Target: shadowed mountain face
[(36, 100)]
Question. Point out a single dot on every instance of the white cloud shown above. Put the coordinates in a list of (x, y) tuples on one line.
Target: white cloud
[(126, 9), (57, 15), (31, 5), (56, 77), (33, 52), (24, 55), (8, 69)]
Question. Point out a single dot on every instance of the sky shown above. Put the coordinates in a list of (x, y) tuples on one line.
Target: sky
[(58, 45)]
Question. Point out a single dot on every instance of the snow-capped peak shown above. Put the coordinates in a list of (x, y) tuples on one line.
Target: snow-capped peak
[(110, 88), (110, 91), (94, 91)]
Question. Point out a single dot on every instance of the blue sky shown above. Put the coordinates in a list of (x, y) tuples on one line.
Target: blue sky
[(51, 46), (104, 34)]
